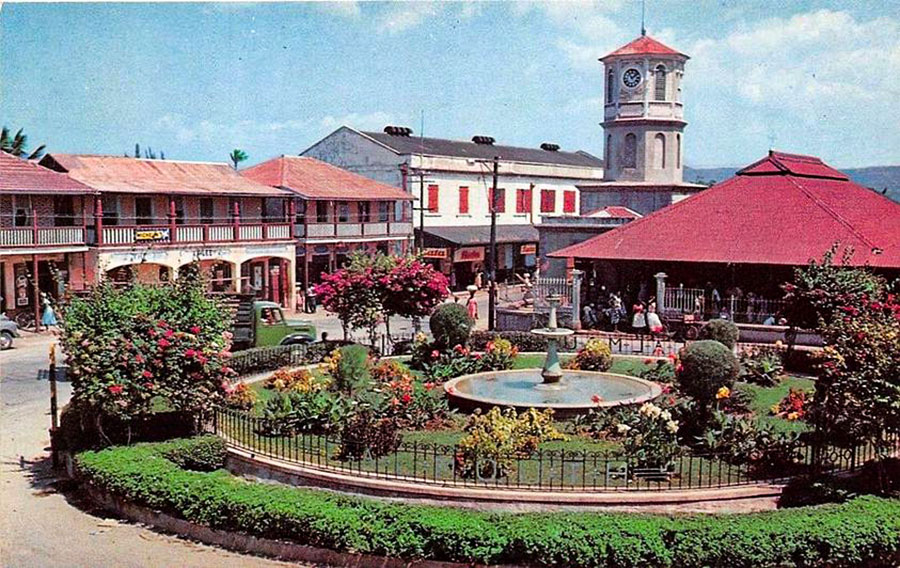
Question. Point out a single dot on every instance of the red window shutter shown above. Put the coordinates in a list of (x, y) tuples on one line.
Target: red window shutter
[(432, 199), (463, 200), (569, 202), (500, 201), (526, 200), (548, 201)]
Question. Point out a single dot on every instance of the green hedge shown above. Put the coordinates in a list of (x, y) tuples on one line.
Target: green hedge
[(864, 531)]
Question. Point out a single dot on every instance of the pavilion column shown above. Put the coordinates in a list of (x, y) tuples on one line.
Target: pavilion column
[(577, 276), (660, 292)]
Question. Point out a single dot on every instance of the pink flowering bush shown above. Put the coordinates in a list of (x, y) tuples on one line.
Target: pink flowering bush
[(129, 348)]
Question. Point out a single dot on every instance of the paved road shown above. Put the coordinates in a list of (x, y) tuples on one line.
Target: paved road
[(41, 527)]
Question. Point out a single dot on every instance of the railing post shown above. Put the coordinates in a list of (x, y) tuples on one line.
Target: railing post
[(236, 221), (172, 215), (660, 293), (98, 220), (577, 276), (34, 228)]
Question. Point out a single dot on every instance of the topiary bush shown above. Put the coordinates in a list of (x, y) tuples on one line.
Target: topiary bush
[(723, 331), (705, 367), (450, 325)]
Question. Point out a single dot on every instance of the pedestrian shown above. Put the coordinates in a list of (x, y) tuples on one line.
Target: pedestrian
[(478, 280), (472, 304), (639, 319), (49, 317), (311, 300)]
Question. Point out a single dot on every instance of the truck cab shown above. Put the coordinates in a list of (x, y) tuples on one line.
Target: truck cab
[(271, 327)]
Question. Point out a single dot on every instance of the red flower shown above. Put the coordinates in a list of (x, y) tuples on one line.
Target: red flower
[(406, 398), (147, 374), (169, 333), (149, 385), (163, 343), (672, 355), (195, 329), (116, 389), (596, 399), (190, 353), (435, 354), (138, 358), (648, 361)]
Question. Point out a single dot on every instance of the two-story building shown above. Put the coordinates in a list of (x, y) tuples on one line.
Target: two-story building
[(450, 181), (336, 212), (151, 217), (44, 217)]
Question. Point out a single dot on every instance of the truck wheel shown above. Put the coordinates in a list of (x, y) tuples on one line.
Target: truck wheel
[(6, 340), (691, 333)]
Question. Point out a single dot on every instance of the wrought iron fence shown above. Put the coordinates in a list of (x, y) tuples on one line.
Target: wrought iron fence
[(544, 287), (704, 306), (546, 469)]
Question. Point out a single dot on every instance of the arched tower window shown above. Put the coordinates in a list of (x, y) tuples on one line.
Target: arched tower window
[(609, 152), (660, 83), (629, 156), (659, 151), (678, 150), (610, 81)]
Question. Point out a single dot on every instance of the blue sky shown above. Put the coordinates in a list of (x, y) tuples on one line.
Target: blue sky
[(197, 80)]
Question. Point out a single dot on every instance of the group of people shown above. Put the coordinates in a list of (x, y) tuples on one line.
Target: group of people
[(612, 315)]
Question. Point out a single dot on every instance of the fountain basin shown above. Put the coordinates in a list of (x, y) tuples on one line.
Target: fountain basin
[(525, 388)]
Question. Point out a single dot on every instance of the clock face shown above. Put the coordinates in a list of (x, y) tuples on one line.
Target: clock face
[(631, 78)]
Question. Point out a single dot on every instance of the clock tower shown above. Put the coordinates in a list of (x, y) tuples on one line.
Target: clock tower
[(643, 116)]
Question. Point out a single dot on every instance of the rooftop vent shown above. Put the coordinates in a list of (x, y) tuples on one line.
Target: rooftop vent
[(486, 140), (550, 147), (397, 130)]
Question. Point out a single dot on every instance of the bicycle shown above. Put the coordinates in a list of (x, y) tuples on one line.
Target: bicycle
[(25, 320)]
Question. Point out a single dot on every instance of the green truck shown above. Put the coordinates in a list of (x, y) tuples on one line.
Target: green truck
[(260, 324)]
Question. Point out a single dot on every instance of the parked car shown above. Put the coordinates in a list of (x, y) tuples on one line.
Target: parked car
[(8, 331)]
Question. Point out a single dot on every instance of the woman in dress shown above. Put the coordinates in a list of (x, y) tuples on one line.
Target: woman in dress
[(472, 304)]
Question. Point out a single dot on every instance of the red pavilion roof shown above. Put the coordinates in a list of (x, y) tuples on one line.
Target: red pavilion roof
[(785, 209), (644, 45)]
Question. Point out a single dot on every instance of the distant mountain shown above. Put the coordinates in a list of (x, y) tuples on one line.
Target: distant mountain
[(876, 177)]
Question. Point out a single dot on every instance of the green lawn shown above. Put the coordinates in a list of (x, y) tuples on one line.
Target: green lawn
[(765, 398)]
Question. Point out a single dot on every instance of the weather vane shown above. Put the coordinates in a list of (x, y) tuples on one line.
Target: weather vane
[(643, 13)]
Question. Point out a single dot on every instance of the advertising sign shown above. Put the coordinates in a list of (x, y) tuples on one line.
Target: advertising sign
[(469, 254), (151, 235)]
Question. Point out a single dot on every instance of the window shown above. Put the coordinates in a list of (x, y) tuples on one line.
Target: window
[(548, 201), (432, 199), (364, 212), (568, 202), (179, 210), (384, 211), (343, 212), (63, 211), (463, 200), (678, 150), (660, 83), (270, 316), (609, 152), (497, 201), (110, 210), (610, 81), (23, 211), (659, 151), (523, 200), (143, 210), (272, 210), (206, 211), (629, 157), (299, 211), (321, 211)]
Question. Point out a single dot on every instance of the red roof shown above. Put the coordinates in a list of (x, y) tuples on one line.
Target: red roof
[(118, 174), (615, 212), (784, 209), (315, 179), (644, 45), (21, 176)]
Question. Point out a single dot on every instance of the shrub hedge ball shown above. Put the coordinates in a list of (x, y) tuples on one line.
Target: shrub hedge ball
[(705, 367), (723, 331), (450, 324)]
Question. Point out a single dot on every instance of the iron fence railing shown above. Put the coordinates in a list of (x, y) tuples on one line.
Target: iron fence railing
[(704, 305), (545, 469)]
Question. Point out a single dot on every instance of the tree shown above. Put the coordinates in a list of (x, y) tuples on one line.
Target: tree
[(352, 294), (17, 145), (412, 289), (237, 156)]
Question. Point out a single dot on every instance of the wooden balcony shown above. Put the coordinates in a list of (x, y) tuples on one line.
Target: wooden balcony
[(31, 237), (353, 231), (157, 234)]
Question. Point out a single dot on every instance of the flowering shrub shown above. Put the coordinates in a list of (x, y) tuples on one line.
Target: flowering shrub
[(743, 441), (794, 406), (240, 397), (659, 371), (650, 435), (412, 288), (349, 367), (499, 355), (761, 366), (368, 435), (300, 380), (352, 294), (412, 403), (496, 439), (594, 356), (316, 411), (128, 347)]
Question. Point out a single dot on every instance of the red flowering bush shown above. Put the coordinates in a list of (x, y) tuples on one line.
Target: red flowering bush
[(129, 347), (240, 397), (794, 406), (412, 288)]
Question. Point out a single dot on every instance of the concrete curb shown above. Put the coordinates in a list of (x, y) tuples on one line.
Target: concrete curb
[(246, 543)]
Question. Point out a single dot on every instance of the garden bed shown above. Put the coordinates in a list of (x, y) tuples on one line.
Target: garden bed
[(864, 531)]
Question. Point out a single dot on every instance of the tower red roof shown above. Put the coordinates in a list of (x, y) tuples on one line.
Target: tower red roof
[(785, 209), (644, 45)]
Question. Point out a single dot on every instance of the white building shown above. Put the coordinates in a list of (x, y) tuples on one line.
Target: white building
[(452, 179)]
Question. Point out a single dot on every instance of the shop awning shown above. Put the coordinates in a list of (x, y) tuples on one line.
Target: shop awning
[(479, 235)]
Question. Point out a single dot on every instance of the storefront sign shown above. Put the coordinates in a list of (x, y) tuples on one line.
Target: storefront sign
[(469, 254), (21, 285), (151, 235), (436, 253), (528, 249)]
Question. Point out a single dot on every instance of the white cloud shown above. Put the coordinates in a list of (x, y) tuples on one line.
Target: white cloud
[(346, 8), (236, 133), (400, 17)]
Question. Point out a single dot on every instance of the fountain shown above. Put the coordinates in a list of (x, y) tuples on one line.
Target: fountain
[(567, 392)]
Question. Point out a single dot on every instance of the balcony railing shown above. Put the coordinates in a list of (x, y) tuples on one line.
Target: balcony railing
[(331, 230), (147, 234), (41, 236)]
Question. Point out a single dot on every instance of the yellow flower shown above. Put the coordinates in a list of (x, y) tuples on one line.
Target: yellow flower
[(775, 408), (793, 416), (779, 344), (723, 392)]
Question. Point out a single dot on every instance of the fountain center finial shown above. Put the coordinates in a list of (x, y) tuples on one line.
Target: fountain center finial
[(552, 370)]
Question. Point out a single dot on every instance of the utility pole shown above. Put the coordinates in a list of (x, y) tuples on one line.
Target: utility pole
[(422, 207), (492, 265)]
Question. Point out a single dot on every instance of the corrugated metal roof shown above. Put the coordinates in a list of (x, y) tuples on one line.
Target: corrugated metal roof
[(777, 212), (118, 174), (466, 149), (481, 234), (21, 176), (315, 179)]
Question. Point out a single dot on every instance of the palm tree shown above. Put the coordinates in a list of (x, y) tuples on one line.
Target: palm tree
[(18, 145), (237, 156)]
